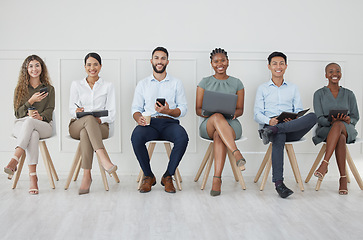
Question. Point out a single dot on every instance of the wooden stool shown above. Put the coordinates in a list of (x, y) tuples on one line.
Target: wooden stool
[(48, 163), (76, 166), (349, 161), (150, 151), (267, 163), (209, 158)]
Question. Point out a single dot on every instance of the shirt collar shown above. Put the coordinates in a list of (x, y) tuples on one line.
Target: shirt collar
[(152, 78), (99, 81), (41, 85), (272, 83)]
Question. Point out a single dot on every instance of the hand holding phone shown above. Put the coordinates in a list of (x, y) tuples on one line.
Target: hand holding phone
[(43, 90), (161, 101)]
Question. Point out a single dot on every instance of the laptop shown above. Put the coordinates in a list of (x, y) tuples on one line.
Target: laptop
[(217, 102)]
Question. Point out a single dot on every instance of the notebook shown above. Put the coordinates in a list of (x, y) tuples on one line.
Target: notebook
[(217, 102), (98, 113), (291, 115)]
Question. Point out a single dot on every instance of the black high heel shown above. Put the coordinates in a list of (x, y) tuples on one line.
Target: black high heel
[(240, 162), (216, 193)]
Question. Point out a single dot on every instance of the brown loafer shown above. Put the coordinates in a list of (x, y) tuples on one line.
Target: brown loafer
[(147, 183), (168, 183)]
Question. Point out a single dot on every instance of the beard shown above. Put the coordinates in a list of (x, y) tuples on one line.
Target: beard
[(159, 71)]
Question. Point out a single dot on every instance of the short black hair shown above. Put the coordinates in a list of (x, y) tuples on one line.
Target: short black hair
[(160, 49), (332, 63), (94, 55), (276, 54), (218, 50)]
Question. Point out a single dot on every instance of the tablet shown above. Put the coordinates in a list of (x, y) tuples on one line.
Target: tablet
[(335, 112)]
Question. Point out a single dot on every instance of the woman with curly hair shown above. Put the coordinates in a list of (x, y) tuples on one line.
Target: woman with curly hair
[(34, 92)]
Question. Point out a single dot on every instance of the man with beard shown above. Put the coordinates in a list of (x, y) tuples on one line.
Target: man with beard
[(164, 124)]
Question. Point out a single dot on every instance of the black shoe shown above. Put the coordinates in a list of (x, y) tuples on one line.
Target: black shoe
[(265, 135), (283, 191)]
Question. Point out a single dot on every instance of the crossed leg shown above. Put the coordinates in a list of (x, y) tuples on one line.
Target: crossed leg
[(336, 140)]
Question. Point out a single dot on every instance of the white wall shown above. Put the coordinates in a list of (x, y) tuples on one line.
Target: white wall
[(311, 33)]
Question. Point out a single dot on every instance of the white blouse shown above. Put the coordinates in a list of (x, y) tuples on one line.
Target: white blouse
[(101, 97)]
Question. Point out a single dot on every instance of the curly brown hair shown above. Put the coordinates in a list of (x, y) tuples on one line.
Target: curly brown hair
[(21, 91)]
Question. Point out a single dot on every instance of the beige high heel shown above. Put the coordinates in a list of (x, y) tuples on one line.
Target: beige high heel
[(342, 191), (11, 171), (319, 174), (85, 191), (111, 169), (33, 191)]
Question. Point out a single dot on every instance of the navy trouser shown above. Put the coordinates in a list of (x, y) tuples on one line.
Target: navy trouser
[(288, 131), (159, 129)]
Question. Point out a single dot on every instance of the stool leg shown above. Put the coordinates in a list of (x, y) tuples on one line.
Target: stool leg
[(264, 162), (18, 172), (103, 174), (139, 177), (294, 165), (177, 174), (42, 146), (347, 174), (141, 174), (235, 169), (178, 179), (316, 163), (78, 168), (318, 183), (354, 169), (76, 161), (50, 161), (204, 162), (114, 174), (207, 170), (265, 175)]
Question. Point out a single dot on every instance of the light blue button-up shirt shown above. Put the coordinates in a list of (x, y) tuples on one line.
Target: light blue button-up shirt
[(149, 89), (272, 100)]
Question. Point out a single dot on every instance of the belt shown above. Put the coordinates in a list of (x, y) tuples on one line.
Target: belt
[(164, 117)]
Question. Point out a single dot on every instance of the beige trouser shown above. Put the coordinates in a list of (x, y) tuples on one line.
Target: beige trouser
[(90, 133), (28, 131)]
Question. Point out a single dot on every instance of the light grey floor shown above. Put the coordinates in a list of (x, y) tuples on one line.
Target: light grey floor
[(124, 213)]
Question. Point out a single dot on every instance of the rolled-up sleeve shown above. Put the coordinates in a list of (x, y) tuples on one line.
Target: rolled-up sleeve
[(259, 108), (73, 98), (353, 108), (138, 102), (110, 105), (181, 100), (318, 109), (47, 113)]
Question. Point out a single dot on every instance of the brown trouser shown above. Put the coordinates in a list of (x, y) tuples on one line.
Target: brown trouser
[(90, 133)]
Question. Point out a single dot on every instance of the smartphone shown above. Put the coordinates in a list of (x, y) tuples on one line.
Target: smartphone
[(45, 89), (160, 100)]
